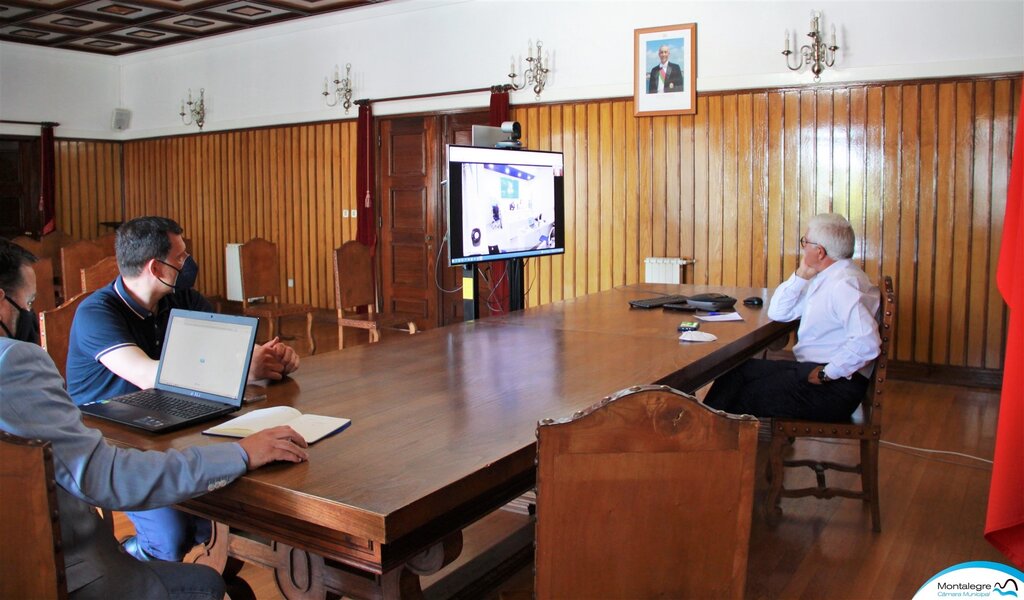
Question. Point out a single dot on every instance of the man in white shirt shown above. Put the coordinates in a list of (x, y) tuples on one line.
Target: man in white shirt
[(837, 338)]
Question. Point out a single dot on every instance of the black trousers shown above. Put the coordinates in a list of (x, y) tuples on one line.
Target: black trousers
[(779, 388)]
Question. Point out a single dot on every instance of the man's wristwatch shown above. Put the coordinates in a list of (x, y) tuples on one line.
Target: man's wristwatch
[(823, 376)]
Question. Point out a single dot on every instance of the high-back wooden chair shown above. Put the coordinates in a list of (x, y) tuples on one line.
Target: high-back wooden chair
[(55, 331), (261, 280), (107, 242), (33, 565), (865, 426), (356, 299), (647, 494), (47, 246), (74, 258), (46, 295), (100, 274)]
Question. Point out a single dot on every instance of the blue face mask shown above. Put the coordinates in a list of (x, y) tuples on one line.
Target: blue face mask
[(187, 275)]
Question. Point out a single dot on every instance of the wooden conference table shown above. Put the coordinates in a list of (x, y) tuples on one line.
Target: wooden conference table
[(443, 432)]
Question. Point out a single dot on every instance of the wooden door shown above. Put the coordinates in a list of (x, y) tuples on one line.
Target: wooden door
[(19, 187), (409, 208)]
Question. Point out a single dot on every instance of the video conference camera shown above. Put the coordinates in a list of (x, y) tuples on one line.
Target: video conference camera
[(514, 132)]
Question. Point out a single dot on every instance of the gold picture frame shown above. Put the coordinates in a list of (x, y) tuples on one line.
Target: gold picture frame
[(665, 63)]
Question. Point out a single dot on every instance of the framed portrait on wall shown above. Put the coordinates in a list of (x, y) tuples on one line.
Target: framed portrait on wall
[(665, 63)]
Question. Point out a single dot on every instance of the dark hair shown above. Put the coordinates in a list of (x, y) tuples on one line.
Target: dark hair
[(141, 240), (12, 258)]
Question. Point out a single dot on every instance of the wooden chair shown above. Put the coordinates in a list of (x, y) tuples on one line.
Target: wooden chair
[(74, 258), (46, 294), (46, 247), (864, 426), (107, 243), (261, 279), (55, 331), (34, 566), (647, 494), (100, 274), (356, 298)]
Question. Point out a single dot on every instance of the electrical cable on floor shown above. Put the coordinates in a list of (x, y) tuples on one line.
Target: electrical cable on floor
[(902, 447), (437, 266)]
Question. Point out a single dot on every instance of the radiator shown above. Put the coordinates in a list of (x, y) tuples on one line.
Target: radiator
[(665, 270)]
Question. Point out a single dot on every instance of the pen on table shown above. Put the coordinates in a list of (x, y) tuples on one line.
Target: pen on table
[(713, 313)]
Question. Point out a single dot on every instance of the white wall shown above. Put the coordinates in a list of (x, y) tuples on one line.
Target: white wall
[(275, 74)]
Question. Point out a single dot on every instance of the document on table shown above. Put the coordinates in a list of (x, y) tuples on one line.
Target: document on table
[(731, 316)]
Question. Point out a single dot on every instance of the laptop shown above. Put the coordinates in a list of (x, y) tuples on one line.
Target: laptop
[(202, 374)]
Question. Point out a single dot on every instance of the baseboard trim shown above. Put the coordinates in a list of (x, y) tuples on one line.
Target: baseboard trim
[(946, 374)]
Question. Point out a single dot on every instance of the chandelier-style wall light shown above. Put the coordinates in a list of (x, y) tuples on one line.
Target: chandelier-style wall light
[(196, 111), (536, 75), (342, 89), (817, 53)]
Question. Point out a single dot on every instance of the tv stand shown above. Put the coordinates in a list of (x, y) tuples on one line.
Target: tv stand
[(514, 271)]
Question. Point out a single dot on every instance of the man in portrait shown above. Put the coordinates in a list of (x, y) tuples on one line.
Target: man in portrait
[(666, 76)]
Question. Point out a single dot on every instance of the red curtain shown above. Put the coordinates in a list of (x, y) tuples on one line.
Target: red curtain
[(499, 113), (366, 217), (1004, 525), (47, 204)]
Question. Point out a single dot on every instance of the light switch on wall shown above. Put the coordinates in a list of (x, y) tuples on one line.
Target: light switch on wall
[(291, 282), (353, 213), (344, 213)]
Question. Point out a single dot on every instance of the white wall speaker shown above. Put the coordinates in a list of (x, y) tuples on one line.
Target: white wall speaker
[(121, 119)]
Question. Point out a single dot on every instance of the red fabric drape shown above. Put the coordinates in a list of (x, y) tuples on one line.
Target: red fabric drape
[(47, 203), (366, 217), (1004, 524), (499, 113)]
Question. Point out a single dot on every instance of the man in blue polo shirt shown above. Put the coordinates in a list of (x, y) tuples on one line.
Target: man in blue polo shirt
[(114, 348)]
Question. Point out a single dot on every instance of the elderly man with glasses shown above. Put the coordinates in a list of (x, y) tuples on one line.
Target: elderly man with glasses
[(837, 338)]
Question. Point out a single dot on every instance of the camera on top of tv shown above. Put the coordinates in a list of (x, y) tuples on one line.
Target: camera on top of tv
[(514, 132)]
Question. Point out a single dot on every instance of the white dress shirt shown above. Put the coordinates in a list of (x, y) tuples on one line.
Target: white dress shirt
[(837, 309)]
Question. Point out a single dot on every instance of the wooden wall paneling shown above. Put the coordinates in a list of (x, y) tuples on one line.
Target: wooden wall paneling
[(658, 185), (874, 191), (978, 274), (686, 194), (824, 123), (553, 131), (593, 166), (604, 171), (672, 188), (701, 226), (807, 151), (582, 199), (792, 228), (964, 155), (730, 238), (908, 226), (927, 206), (744, 199), (758, 189), (919, 168), (775, 247), (891, 177), (568, 144), (1002, 143), (645, 193), (716, 167), (617, 219)]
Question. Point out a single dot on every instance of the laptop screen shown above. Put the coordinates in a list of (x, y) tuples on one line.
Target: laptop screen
[(207, 354)]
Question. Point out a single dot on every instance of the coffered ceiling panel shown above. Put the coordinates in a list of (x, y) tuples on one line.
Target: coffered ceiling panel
[(121, 26)]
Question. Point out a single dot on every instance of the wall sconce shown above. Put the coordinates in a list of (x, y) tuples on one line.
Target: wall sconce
[(535, 75), (817, 53), (342, 89), (196, 112)]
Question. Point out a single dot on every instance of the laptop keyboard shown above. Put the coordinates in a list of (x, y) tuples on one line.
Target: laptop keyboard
[(177, 407)]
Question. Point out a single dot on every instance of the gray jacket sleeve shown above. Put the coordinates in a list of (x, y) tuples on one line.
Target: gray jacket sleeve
[(34, 404)]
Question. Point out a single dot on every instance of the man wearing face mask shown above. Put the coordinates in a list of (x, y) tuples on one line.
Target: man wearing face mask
[(17, 293), (115, 344)]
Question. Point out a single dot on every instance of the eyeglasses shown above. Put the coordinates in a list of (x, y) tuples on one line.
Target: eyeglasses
[(804, 241)]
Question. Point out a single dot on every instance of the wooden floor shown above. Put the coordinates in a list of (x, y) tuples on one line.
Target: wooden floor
[(933, 507)]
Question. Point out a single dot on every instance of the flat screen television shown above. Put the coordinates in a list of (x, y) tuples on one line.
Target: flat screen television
[(504, 204)]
